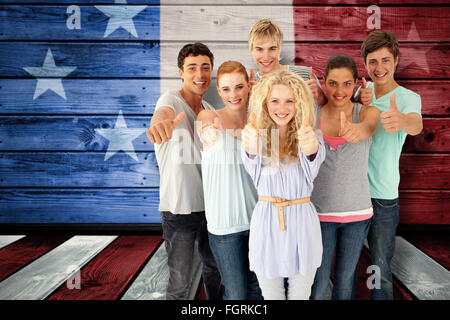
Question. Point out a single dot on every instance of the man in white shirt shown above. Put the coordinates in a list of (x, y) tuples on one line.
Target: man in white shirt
[(181, 188)]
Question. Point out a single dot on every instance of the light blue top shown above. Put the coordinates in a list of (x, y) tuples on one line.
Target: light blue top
[(273, 252), (384, 175), (230, 195)]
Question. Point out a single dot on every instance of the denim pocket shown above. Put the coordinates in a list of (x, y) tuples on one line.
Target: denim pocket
[(386, 203)]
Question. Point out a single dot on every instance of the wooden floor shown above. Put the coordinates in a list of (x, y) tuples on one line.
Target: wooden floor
[(134, 267)]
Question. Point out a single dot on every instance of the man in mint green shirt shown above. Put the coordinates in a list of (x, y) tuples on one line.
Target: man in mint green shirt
[(400, 115)]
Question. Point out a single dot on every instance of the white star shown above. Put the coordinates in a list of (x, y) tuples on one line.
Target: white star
[(120, 138), (49, 70), (120, 16), (419, 57)]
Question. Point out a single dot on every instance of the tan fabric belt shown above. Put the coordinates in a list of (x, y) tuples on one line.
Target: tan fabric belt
[(280, 203)]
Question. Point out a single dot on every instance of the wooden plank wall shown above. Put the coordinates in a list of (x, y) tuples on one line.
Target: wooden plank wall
[(54, 161)]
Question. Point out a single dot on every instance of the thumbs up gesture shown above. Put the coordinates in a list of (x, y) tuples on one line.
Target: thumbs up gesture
[(251, 79), (365, 94), (210, 132), (348, 130), (250, 136), (307, 139), (162, 130), (392, 119), (312, 83)]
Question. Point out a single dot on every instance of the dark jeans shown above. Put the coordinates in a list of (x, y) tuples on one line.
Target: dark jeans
[(231, 254), (180, 231), (381, 240), (348, 239)]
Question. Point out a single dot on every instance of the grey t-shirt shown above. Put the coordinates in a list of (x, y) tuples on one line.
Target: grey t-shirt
[(179, 160)]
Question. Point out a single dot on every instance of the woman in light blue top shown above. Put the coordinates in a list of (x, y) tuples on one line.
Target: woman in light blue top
[(230, 195)]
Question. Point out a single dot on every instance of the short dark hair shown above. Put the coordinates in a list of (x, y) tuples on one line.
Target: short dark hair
[(194, 49), (341, 61), (378, 39)]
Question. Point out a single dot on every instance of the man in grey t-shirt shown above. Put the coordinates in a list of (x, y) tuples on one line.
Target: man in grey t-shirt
[(181, 188)]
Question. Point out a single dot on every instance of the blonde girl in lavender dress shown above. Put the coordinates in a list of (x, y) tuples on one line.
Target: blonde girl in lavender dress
[(282, 154)]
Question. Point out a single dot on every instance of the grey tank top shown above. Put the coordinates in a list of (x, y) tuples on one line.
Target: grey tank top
[(342, 185)]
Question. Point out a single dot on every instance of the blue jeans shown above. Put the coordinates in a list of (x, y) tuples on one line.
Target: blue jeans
[(381, 239), (231, 254), (180, 231), (348, 239)]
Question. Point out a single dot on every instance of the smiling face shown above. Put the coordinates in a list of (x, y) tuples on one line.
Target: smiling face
[(381, 65), (234, 90), (266, 55), (196, 74), (339, 86), (281, 105)]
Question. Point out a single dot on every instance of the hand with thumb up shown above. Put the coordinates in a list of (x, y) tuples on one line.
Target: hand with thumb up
[(307, 139), (209, 133), (392, 119), (348, 130), (250, 136), (365, 93)]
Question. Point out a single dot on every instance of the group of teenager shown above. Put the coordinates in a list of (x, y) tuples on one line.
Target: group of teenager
[(293, 178)]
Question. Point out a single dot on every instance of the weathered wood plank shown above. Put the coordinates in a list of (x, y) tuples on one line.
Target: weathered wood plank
[(112, 270), (437, 246), (84, 96), (68, 133), (151, 284), (91, 59), (242, 2), (38, 279), (424, 171), (54, 206), (7, 240), (424, 206), (417, 60), (142, 59), (48, 22), (24, 251), (425, 278), (86, 169), (311, 23), (435, 137), (435, 95)]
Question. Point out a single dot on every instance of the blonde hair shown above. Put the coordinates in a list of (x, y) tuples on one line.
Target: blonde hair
[(265, 29), (231, 67), (304, 106)]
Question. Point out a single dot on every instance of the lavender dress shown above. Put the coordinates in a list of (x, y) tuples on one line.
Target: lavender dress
[(272, 252)]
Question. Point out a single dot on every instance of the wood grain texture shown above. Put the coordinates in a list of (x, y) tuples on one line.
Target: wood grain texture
[(427, 171), (112, 270), (435, 137), (151, 284), (435, 246), (92, 59), (38, 279), (67, 133), (22, 252), (424, 206), (84, 96), (48, 22), (79, 206), (77, 169), (425, 278)]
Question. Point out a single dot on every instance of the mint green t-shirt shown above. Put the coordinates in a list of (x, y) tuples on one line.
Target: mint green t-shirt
[(383, 170)]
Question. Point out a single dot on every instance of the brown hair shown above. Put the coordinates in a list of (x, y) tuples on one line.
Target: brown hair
[(231, 67), (377, 40), (194, 49)]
